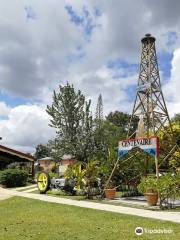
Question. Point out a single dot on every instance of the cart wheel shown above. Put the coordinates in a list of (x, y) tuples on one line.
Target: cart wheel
[(43, 182)]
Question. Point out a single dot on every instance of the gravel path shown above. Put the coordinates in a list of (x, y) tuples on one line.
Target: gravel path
[(166, 216)]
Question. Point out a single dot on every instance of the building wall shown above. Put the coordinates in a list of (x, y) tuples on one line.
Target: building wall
[(67, 162), (46, 165), (64, 165)]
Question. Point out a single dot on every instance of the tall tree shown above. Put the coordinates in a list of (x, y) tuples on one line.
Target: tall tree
[(100, 136), (121, 120), (42, 151), (71, 116), (176, 118), (99, 112)]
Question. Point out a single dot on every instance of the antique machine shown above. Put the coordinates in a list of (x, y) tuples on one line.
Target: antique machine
[(45, 183)]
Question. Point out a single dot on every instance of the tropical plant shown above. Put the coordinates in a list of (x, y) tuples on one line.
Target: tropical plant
[(148, 184), (76, 173), (91, 178), (176, 118), (53, 174), (14, 165), (169, 137), (169, 189)]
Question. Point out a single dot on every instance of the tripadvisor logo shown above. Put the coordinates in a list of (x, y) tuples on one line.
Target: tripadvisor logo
[(139, 231)]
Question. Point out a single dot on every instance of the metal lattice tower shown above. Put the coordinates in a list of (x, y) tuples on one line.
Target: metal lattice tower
[(149, 106)]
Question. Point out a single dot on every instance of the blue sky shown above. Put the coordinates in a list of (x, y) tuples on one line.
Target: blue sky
[(95, 45), (84, 19)]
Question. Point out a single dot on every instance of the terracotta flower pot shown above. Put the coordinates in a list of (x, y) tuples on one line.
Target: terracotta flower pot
[(110, 193), (152, 198)]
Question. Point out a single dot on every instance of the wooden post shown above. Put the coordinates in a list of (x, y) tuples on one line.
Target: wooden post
[(32, 169), (114, 170), (111, 174), (157, 167), (157, 175)]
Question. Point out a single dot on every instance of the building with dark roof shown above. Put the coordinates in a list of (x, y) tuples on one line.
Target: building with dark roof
[(9, 155)]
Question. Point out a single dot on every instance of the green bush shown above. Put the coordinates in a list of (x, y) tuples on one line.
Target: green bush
[(169, 189), (148, 184), (14, 165), (13, 177), (53, 174)]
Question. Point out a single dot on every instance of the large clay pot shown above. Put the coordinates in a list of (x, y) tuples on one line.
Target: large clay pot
[(110, 193), (152, 198)]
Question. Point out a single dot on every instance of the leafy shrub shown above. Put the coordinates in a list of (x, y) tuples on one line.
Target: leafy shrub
[(169, 189), (148, 184), (31, 180), (76, 173), (13, 177), (14, 165), (54, 168), (53, 174), (85, 178), (69, 187), (132, 193)]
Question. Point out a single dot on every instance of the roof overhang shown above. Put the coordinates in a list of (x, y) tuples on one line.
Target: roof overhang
[(15, 153)]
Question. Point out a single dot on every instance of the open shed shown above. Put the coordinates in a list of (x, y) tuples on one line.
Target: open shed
[(9, 155)]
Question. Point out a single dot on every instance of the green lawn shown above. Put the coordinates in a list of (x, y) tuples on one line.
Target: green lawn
[(22, 219)]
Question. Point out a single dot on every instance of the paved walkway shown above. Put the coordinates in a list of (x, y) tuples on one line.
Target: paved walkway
[(129, 202), (167, 216), (4, 195), (31, 190), (25, 188)]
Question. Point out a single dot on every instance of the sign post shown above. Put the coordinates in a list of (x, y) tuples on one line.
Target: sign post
[(149, 145), (157, 167)]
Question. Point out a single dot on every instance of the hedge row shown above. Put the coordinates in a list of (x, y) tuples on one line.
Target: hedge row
[(13, 177)]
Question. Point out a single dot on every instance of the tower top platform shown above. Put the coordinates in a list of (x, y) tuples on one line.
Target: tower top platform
[(148, 37)]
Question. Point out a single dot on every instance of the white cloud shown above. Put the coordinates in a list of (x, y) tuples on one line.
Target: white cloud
[(34, 57), (114, 90), (26, 126), (34, 52), (4, 109), (173, 108), (172, 87)]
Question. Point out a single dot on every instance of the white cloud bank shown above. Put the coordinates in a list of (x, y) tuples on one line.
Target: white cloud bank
[(4, 109), (25, 127), (34, 58), (172, 88)]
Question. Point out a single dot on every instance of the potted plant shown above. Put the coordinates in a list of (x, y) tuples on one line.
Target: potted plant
[(149, 186), (110, 191), (169, 189)]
